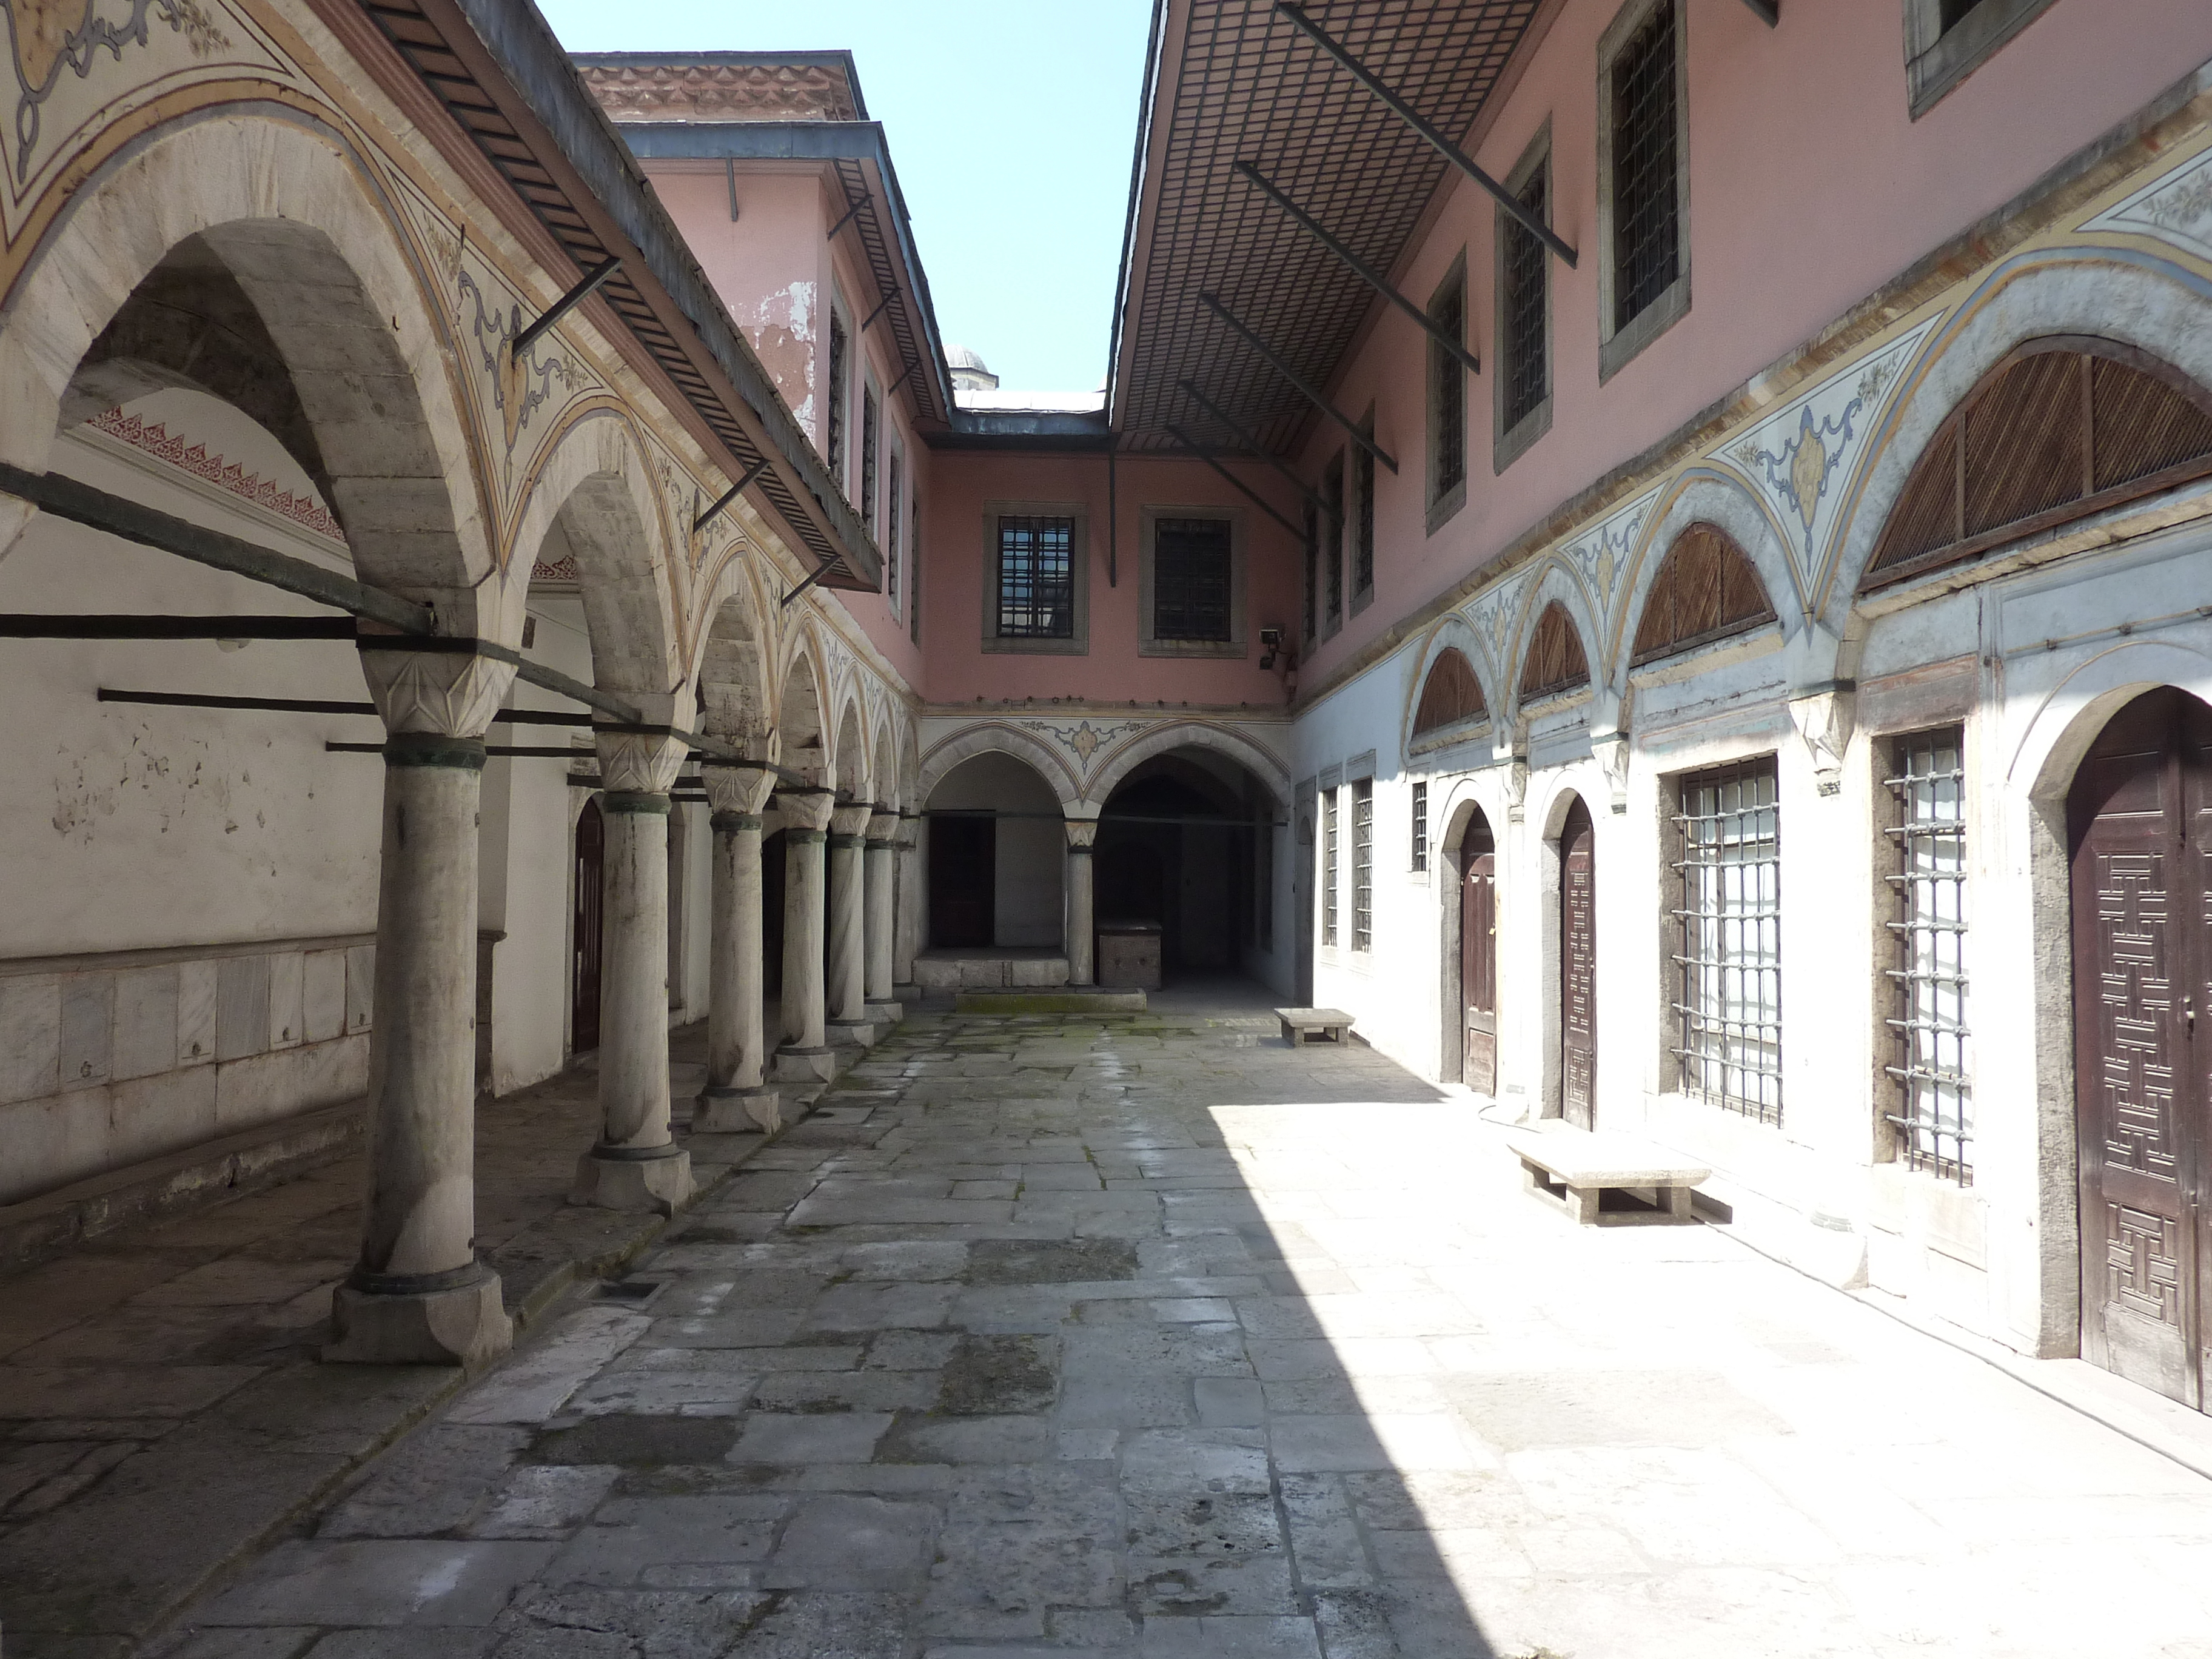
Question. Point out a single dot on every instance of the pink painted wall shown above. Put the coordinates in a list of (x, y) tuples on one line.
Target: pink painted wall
[(1810, 187), (960, 670), (774, 271)]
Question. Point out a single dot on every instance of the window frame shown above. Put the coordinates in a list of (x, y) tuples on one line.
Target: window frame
[(1687, 1001), (1418, 850), (1507, 444), (1332, 540), (1311, 552), (914, 564), (1445, 500), (1149, 643), (893, 525), (1363, 866), (871, 459), (1078, 565), (1618, 346), (1914, 1140), (1360, 483), (1330, 814), (837, 387), (1936, 61)]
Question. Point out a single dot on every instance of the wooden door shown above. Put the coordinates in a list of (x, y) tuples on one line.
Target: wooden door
[(584, 964), (2139, 824), (963, 868), (1578, 968), (1478, 956)]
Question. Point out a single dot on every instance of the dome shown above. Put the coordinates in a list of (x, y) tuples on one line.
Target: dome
[(970, 373), (958, 356)]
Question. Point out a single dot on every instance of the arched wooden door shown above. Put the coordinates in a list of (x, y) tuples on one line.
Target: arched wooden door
[(1477, 956), (584, 960), (2140, 827), (1578, 968)]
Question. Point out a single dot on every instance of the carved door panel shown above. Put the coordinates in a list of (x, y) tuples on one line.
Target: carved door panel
[(2143, 949), (1578, 968), (584, 964), (1478, 958)]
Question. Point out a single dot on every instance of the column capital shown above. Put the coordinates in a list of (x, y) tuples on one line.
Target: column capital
[(440, 687), (883, 828), (910, 830), (806, 808), (1081, 833), (638, 760), (741, 786), (850, 819)]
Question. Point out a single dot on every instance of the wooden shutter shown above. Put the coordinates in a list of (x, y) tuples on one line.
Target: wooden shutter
[(1450, 695), (1556, 661), (1705, 590)]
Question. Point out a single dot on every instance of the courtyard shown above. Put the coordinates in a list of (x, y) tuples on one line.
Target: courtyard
[(1145, 1337)]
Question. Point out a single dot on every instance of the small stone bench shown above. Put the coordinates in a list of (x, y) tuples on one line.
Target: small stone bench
[(1302, 1027), (1576, 1169)]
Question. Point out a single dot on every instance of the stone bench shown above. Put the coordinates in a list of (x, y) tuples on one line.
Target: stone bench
[(1576, 1169), (1305, 1026)]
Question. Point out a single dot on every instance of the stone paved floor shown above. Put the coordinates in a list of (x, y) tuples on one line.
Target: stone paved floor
[(1146, 1337)]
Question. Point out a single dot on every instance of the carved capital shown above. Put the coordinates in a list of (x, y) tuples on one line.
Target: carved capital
[(1516, 787), (910, 831), (1082, 832), (1824, 718), (736, 787), (883, 828), (806, 808), (1611, 751), (851, 819), (638, 762), (451, 693)]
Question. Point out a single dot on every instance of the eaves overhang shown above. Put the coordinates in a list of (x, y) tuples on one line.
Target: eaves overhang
[(857, 152), (501, 77), (1036, 430)]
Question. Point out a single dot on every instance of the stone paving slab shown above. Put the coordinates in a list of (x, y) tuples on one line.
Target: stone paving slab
[(1357, 1399), (162, 1410)]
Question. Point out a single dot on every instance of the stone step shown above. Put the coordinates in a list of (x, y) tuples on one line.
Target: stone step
[(1061, 1000)]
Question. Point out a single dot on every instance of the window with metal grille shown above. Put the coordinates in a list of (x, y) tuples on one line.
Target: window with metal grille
[(869, 419), (1946, 40), (1363, 864), (837, 393), (1448, 393), (1728, 964), (1362, 537), (1420, 826), (1328, 867), (1313, 568), (1646, 222), (1190, 578), (913, 573), (1332, 536), (891, 535), (1036, 582), (1932, 1107), (1524, 305)]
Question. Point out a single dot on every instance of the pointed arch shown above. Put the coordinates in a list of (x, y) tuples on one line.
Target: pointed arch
[(2064, 426), (1553, 661), (2120, 295), (803, 744), (594, 494), (993, 735), (886, 768), (1703, 591), (1718, 500), (734, 653), (299, 223), (849, 754), (1119, 762)]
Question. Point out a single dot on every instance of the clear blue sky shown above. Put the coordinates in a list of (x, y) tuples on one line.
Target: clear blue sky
[(1011, 123)]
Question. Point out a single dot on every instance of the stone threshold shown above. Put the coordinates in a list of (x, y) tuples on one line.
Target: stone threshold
[(100, 1540)]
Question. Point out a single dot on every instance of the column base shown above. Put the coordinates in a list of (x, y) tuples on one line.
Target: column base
[(886, 1014), (853, 1033), (463, 1324), (738, 1111), (906, 994), (658, 1183), (796, 1065)]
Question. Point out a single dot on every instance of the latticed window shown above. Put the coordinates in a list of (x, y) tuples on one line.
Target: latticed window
[(1728, 965), (1646, 221), (1420, 826), (1362, 537), (1934, 1108), (1328, 867), (1524, 304), (1363, 864), (1313, 567), (1037, 581), (913, 573), (1332, 536), (891, 536), (1190, 578), (869, 419), (838, 372), (1448, 392)]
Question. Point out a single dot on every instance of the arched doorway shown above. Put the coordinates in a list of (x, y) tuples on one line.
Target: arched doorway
[(996, 849), (1179, 847), (1579, 967), (584, 961), (1478, 954), (2139, 830)]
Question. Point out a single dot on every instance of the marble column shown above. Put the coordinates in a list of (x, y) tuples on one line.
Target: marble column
[(881, 858), (419, 1296), (736, 1096), (848, 984), (805, 1055), (636, 1163), (1081, 934), (906, 924)]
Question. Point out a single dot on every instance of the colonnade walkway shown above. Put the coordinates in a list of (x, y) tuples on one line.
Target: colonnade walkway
[(1148, 1337)]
